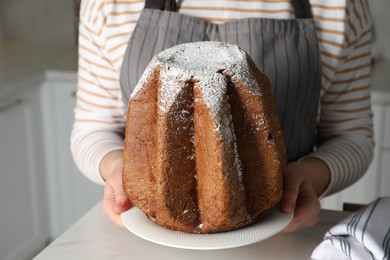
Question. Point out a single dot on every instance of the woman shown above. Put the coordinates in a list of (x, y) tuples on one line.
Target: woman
[(315, 53)]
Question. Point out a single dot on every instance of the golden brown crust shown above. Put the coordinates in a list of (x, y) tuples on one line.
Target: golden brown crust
[(139, 158), (175, 150), (221, 194)]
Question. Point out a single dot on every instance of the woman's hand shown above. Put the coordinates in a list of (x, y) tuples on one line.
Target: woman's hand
[(304, 182), (115, 200)]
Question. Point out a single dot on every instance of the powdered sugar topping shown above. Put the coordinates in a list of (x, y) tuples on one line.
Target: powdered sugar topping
[(200, 59)]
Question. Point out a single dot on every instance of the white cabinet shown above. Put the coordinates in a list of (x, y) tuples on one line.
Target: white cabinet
[(23, 200), (376, 182), (41, 191), (385, 177), (70, 193), (385, 152)]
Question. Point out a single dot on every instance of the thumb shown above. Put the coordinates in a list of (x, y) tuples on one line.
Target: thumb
[(122, 203)]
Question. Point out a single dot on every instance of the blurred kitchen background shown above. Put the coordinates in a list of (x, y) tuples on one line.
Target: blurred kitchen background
[(41, 191)]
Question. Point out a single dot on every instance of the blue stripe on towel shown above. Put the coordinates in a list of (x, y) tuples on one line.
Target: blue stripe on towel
[(346, 246), (368, 218), (351, 226), (386, 245)]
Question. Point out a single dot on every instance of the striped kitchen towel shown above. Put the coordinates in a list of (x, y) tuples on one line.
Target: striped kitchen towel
[(363, 235)]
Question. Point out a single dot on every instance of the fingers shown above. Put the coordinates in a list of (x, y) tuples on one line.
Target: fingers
[(291, 185), (109, 204), (306, 210), (115, 200), (300, 197)]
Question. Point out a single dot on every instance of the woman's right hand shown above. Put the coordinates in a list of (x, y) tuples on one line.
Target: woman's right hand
[(115, 200)]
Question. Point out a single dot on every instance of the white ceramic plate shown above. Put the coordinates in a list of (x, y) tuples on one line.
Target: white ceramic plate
[(269, 225)]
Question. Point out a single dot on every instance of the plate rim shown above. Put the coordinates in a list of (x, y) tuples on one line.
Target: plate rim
[(135, 213)]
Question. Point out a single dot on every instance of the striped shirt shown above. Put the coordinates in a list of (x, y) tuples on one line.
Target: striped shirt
[(345, 135)]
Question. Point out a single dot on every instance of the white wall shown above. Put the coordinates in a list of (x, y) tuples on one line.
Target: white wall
[(53, 21), (38, 21), (1, 27), (380, 15)]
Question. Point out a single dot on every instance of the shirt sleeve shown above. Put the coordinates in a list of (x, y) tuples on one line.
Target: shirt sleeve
[(345, 130), (99, 114)]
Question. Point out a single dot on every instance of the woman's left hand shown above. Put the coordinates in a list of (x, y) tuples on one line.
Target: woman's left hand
[(304, 181)]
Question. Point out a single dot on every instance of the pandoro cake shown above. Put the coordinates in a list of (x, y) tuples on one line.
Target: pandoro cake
[(203, 148)]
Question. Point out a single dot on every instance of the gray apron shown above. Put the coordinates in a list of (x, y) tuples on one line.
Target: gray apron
[(285, 50)]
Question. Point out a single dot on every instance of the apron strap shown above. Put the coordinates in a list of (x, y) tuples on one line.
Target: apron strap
[(169, 5), (302, 8)]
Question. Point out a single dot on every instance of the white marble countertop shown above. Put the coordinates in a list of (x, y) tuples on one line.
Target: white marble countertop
[(95, 237)]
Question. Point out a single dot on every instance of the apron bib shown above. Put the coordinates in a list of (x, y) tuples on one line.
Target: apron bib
[(285, 50)]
